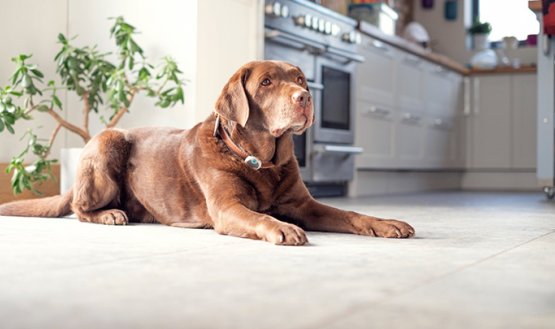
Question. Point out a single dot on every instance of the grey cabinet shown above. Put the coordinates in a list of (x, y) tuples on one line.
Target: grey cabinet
[(501, 126), (407, 111), (375, 108)]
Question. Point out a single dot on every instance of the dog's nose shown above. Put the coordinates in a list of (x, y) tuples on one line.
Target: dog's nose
[(301, 97)]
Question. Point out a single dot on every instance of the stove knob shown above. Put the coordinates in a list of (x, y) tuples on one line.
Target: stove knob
[(335, 30), (315, 22), (327, 28), (307, 20), (284, 11), (322, 26), (358, 38), (346, 37), (299, 20), (273, 9)]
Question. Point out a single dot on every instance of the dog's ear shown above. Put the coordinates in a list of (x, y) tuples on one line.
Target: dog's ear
[(233, 103)]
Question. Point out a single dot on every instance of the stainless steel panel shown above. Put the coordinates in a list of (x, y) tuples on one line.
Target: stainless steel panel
[(332, 166)]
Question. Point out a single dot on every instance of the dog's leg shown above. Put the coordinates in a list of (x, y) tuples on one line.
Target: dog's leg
[(238, 220), (96, 192), (314, 216)]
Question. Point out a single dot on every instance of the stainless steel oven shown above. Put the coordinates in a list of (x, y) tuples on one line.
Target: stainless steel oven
[(323, 44)]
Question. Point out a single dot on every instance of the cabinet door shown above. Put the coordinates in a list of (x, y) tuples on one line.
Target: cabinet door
[(376, 135), (375, 77), (524, 91), (441, 99), (439, 142), (409, 140), (410, 84), (491, 122), (437, 91)]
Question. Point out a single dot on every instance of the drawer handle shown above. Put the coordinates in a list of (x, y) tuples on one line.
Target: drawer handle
[(379, 45), (338, 149), (409, 117), (378, 111)]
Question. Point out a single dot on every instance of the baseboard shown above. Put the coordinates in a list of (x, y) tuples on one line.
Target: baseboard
[(48, 188), (369, 183), (488, 180)]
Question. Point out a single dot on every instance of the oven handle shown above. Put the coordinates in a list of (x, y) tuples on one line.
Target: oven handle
[(314, 85), (291, 40), (337, 149), (346, 55)]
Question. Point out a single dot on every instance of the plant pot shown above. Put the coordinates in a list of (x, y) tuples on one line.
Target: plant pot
[(481, 41), (69, 159)]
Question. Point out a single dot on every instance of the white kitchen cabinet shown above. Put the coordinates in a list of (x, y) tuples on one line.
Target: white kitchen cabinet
[(490, 128), (409, 141), (375, 126), (375, 81), (524, 123), (502, 122), (410, 84), (407, 111), (375, 107)]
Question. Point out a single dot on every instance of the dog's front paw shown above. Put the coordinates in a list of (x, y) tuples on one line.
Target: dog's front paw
[(386, 228), (113, 217), (285, 234)]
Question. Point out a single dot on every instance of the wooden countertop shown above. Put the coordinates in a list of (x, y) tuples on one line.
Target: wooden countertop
[(439, 59), (505, 70), (535, 5)]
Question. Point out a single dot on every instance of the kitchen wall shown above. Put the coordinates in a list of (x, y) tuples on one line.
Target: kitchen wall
[(450, 38), (208, 39)]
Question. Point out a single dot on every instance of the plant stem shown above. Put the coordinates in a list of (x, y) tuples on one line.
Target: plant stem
[(52, 138), (121, 111), (69, 126), (86, 111)]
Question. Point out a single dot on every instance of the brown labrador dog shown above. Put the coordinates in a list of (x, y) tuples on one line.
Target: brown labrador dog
[(234, 172)]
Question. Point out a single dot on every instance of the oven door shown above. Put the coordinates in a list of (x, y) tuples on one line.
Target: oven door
[(334, 107)]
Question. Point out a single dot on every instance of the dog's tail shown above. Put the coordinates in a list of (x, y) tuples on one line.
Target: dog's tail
[(54, 206)]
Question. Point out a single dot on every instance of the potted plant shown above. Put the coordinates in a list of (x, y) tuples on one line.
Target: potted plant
[(104, 86), (480, 32)]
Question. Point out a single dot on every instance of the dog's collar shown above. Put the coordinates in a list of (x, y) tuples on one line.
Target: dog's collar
[(249, 159)]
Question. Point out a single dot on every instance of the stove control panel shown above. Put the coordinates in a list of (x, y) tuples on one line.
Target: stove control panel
[(276, 9), (307, 18)]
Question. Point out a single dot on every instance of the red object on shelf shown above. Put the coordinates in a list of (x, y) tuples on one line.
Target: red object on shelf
[(549, 17)]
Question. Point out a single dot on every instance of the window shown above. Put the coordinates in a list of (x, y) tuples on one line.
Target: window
[(507, 18)]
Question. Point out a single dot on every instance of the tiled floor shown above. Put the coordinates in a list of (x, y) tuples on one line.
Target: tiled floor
[(480, 260)]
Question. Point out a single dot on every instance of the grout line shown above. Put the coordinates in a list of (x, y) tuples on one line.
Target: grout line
[(362, 306)]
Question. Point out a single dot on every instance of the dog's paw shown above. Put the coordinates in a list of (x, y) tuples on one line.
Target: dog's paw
[(113, 217), (286, 234), (386, 228)]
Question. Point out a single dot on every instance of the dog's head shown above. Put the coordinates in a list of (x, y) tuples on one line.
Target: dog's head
[(268, 95)]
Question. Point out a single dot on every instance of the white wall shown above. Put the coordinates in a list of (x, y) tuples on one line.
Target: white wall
[(167, 27), (208, 39), (31, 27), (449, 37), (229, 36)]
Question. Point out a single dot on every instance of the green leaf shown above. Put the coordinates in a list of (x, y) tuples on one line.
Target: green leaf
[(37, 73), (1, 125), (61, 38), (10, 129), (57, 101), (43, 108)]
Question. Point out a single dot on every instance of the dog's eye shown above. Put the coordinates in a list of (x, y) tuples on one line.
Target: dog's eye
[(300, 80), (266, 82)]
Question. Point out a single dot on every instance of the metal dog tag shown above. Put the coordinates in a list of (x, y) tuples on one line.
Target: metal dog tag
[(253, 162)]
